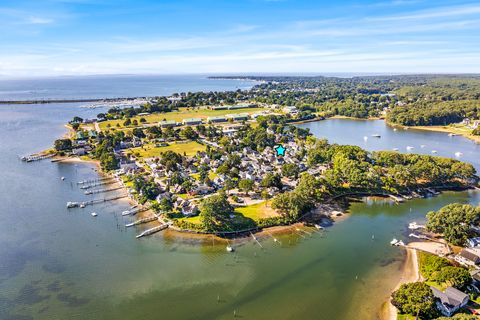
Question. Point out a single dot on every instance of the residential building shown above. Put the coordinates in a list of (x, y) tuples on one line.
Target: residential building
[(468, 258), (450, 301), (216, 119), (167, 123), (191, 121), (473, 242), (238, 116)]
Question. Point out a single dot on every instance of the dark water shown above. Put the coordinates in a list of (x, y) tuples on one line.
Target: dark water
[(112, 86), (60, 264)]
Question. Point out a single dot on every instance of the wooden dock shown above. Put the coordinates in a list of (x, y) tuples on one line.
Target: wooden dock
[(141, 221), (152, 230), (36, 157), (92, 202), (102, 190)]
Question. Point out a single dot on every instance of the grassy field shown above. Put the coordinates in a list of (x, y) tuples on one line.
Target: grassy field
[(178, 116), (150, 150), (194, 220), (256, 211)]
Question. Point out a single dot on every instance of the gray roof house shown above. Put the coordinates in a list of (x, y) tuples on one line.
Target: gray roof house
[(450, 301), (467, 258)]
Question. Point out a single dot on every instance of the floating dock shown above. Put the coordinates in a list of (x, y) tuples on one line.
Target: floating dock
[(92, 202), (94, 180), (36, 157), (102, 190)]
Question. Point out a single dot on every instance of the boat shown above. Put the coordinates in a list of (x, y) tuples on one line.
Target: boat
[(394, 242), (422, 146), (458, 154), (230, 249), (434, 151), (452, 134), (394, 129), (82, 205), (63, 178), (94, 214), (319, 227), (365, 138), (410, 148), (376, 135), (415, 226), (395, 149), (72, 204)]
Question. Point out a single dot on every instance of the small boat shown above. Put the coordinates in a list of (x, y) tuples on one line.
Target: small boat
[(394, 129), (82, 205), (94, 214), (395, 149), (394, 242), (376, 135), (230, 249), (365, 138), (434, 151), (410, 148), (458, 154), (422, 146), (415, 226), (452, 134), (319, 227), (63, 178)]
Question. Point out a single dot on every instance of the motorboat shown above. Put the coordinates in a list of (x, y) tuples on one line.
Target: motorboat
[(94, 214)]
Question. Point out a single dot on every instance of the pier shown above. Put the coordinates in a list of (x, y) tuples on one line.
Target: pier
[(102, 190), (97, 184), (92, 202), (141, 221), (152, 230), (90, 181), (36, 157), (134, 211)]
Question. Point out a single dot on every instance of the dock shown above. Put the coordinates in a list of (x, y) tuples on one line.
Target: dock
[(134, 211), (94, 180), (97, 184), (102, 190), (141, 221), (152, 230), (396, 198), (92, 202), (36, 157)]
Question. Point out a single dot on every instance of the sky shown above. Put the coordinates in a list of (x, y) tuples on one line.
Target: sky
[(82, 37)]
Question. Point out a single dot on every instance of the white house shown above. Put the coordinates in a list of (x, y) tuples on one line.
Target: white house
[(473, 242), (467, 258)]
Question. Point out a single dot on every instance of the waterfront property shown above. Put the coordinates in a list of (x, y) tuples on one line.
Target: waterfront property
[(450, 301)]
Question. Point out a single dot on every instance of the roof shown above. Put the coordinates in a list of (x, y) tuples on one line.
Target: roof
[(216, 118), (238, 115), (469, 255), (451, 297), (167, 121), (192, 120)]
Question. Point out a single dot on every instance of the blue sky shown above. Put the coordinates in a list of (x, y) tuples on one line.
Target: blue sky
[(76, 37)]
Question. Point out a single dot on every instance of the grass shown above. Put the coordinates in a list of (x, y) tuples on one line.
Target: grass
[(150, 150), (211, 175), (254, 211), (194, 220), (178, 116)]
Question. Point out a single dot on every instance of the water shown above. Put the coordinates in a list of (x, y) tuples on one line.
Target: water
[(359, 132), (112, 86), (61, 264)]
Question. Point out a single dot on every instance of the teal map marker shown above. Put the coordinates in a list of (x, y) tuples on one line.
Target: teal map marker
[(280, 150)]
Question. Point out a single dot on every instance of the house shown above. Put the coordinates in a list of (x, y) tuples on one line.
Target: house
[(290, 110), (191, 121), (468, 258), (450, 301), (473, 242), (167, 123), (191, 209), (78, 151), (219, 107), (475, 274), (238, 116), (216, 119)]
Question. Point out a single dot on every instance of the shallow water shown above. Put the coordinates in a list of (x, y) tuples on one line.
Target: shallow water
[(63, 264)]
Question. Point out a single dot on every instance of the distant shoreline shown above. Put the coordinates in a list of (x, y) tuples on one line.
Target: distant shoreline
[(46, 101)]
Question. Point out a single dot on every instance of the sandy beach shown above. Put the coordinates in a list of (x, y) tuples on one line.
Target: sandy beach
[(410, 273)]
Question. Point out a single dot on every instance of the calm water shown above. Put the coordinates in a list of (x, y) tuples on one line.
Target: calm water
[(60, 264), (112, 86)]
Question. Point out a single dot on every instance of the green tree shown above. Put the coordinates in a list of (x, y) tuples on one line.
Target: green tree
[(290, 170), (454, 276), (245, 185), (63, 144), (415, 298), (453, 221), (215, 211)]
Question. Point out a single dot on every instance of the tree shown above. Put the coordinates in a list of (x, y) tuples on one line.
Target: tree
[(214, 212), (188, 133), (75, 126), (453, 221), (454, 276), (246, 185), (290, 170), (415, 298), (265, 196), (63, 144), (204, 170), (138, 132), (127, 122)]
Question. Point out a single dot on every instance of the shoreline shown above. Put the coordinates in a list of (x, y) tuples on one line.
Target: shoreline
[(410, 273), (445, 129)]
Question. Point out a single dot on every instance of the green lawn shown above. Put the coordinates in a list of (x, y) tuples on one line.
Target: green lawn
[(178, 116), (254, 211), (194, 220), (150, 150)]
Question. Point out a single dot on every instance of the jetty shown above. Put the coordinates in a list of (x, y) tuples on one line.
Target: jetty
[(396, 198), (133, 211), (98, 184), (152, 230)]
